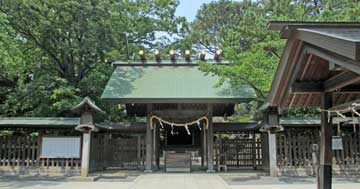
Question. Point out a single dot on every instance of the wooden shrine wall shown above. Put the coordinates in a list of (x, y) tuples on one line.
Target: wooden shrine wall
[(295, 154), (21, 155), (115, 150)]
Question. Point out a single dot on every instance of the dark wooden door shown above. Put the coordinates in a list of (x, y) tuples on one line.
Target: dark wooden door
[(238, 152), (118, 151)]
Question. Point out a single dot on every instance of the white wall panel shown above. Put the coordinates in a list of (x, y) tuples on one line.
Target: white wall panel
[(60, 147)]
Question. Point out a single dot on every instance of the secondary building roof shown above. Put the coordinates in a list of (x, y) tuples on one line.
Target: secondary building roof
[(161, 83), (39, 122)]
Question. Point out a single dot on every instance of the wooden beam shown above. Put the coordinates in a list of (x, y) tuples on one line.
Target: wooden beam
[(306, 67), (186, 114), (278, 82), (279, 25), (341, 80), (333, 57), (292, 100), (292, 75), (325, 172), (308, 100), (306, 87), (318, 87), (345, 48)]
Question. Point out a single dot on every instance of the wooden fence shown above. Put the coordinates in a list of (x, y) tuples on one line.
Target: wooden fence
[(117, 151), (21, 154), (294, 149), (244, 151)]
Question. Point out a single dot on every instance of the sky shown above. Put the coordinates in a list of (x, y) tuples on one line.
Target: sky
[(188, 8)]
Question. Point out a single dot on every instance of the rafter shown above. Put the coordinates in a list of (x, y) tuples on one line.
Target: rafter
[(341, 80), (318, 87)]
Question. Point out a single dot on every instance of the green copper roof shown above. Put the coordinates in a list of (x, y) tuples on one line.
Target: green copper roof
[(171, 84), (86, 102), (39, 121)]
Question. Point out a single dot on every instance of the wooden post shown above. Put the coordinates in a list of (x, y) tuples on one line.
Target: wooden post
[(148, 161), (205, 146), (202, 144), (86, 118), (272, 154), (265, 152), (273, 119), (85, 155), (138, 151), (157, 147), (210, 136), (325, 172)]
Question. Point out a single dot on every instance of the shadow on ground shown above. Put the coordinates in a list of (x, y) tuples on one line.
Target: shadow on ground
[(29, 181), (267, 180)]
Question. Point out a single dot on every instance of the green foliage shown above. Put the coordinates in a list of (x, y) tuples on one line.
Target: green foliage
[(302, 112), (240, 29), (54, 52)]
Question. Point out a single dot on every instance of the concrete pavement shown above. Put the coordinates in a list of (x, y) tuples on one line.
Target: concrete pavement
[(175, 181)]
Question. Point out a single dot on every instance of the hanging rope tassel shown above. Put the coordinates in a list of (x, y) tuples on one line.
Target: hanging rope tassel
[(198, 124), (353, 120), (340, 114), (172, 129), (187, 130), (356, 112), (161, 124)]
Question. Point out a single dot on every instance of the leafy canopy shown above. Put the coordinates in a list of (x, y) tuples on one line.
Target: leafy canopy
[(69, 43)]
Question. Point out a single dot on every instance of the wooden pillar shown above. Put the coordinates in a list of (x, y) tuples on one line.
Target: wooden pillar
[(210, 141), (157, 147), (202, 144), (85, 155), (149, 143), (272, 154), (138, 151), (265, 152), (272, 118), (325, 172)]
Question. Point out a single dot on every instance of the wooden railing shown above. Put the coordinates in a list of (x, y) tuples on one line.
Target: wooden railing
[(294, 149), (21, 154)]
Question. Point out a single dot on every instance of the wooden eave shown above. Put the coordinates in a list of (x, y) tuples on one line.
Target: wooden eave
[(304, 70), (283, 25)]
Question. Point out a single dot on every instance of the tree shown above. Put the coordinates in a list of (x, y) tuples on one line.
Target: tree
[(240, 29), (251, 49), (69, 44)]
